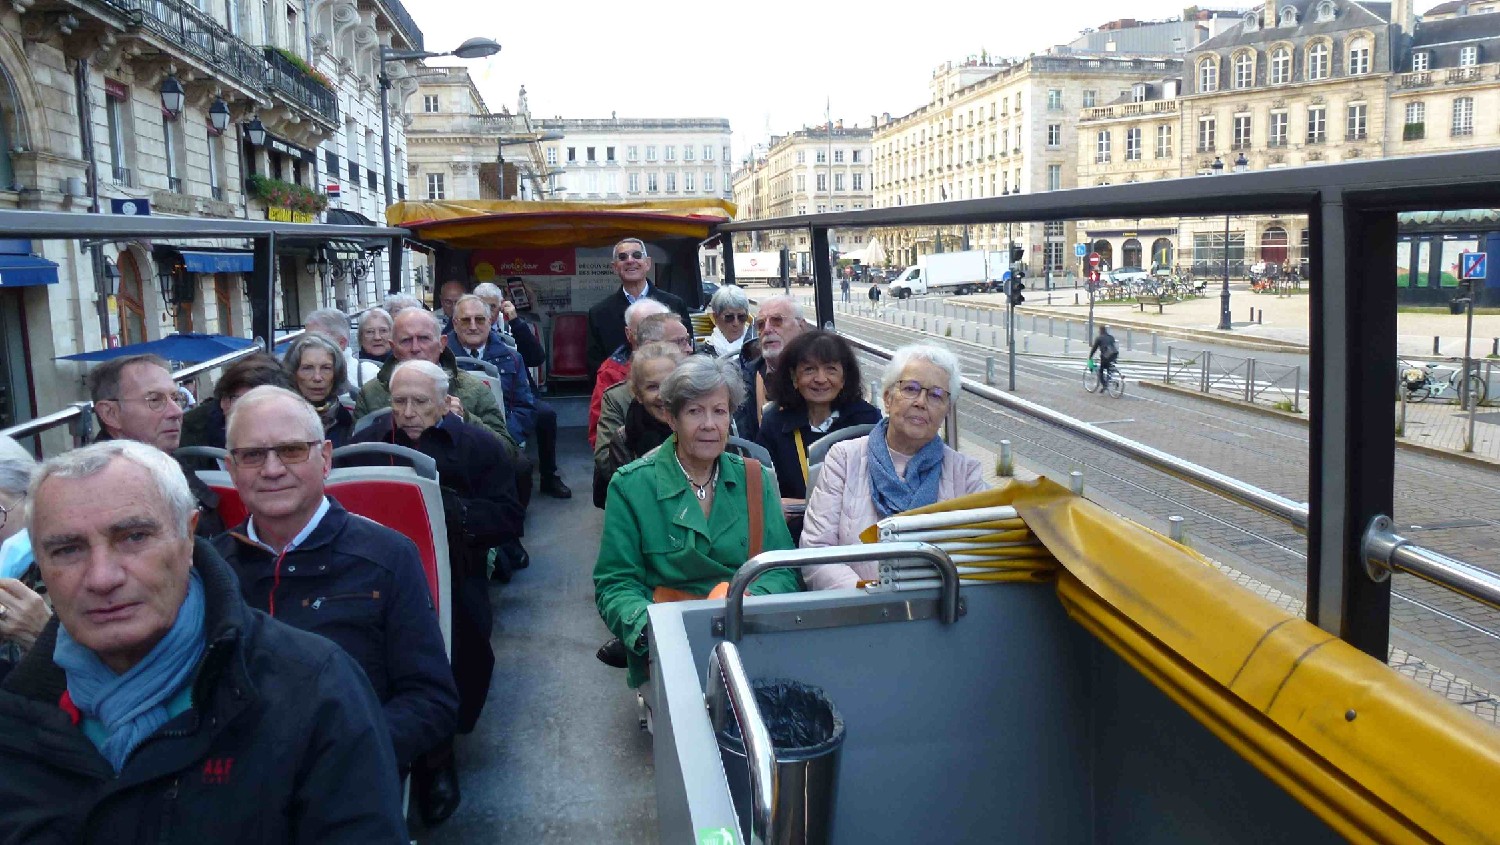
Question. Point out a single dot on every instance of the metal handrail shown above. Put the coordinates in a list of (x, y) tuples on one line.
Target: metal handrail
[(727, 684), (734, 609), (1264, 501), (1386, 551)]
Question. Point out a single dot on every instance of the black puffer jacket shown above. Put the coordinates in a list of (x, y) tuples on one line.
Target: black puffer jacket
[(284, 743)]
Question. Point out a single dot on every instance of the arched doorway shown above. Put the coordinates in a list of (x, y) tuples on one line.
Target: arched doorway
[(1161, 252), (132, 301), (1273, 246), (1130, 254), (1106, 252)]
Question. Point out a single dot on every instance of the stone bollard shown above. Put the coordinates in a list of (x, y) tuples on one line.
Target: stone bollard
[(1075, 482), (1177, 529), (1007, 465)]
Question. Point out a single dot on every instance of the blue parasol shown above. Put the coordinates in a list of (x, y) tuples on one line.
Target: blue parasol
[(188, 348)]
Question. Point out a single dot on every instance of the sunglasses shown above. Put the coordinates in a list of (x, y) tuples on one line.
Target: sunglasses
[(626, 256), (735, 318), (295, 452)]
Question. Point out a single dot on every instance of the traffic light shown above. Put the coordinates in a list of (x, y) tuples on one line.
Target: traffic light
[(1016, 286)]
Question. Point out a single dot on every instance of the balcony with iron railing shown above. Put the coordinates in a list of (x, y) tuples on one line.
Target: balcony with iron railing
[(197, 34), (403, 22), (1416, 79), (1124, 110), (298, 85)]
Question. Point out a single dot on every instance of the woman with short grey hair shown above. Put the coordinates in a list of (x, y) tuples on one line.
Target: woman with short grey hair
[(319, 374), (677, 521), (375, 327), (23, 611), (730, 308)]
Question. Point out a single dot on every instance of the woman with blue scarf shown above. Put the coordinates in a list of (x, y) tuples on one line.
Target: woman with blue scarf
[(901, 465)]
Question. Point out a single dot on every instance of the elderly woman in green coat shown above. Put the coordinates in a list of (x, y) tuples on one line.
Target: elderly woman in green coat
[(679, 517)]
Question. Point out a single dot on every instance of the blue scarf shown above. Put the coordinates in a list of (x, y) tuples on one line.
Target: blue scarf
[(888, 490), (131, 707)]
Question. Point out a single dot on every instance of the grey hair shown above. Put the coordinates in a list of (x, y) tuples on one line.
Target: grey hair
[(437, 375), (292, 359), (699, 375), (935, 355), (88, 461), (398, 302), (729, 297), (637, 241), (374, 313), (654, 327), (329, 321), (652, 352), (469, 297), (643, 308), (796, 308), (429, 317), (490, 293), (16, 467), (313, 424)]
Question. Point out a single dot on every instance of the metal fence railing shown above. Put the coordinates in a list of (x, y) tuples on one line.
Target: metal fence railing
[(1246, 379)]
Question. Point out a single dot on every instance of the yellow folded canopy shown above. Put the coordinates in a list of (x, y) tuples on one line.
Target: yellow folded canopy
[(479, 224), (1376, 756)]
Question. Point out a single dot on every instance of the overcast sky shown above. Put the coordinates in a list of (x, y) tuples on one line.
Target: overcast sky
[(768, 66)]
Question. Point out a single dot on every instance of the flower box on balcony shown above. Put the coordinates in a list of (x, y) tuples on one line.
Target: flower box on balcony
[(279, 194)]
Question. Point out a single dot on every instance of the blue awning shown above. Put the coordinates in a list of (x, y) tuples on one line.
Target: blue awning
[(218, 262), (22, 270)]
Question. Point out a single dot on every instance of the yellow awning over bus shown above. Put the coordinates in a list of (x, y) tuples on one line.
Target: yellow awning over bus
[(479, 224)]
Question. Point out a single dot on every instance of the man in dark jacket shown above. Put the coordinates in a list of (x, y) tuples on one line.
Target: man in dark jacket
[(777, 323), (205, 424), (632, 263), (308, 562), (135, 399), (481, 511), (157, 706)]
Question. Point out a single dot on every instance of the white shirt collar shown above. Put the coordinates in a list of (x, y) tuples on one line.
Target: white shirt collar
[(302, 535), (822, 427)]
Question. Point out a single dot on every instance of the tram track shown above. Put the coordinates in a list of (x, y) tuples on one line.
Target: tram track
[(1233, 441)]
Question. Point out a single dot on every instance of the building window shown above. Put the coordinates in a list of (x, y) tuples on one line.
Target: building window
[(671, 152), (801, 182), (118, 116), (1468, 55), (172, 150), (822, 182), (1278, 135), (1054, 99), (1052, 255), (435, 186), (1358, 127), (572, 154), (216, 166), (838, 156), (1325, 12), (838, 181), (1208, 75), (1317, 60), (1317, 124), (855, 156), (1090, 98), (687, 152), (650, 152), (1054, 177), (1288, 16), (1138, 93), (1164, 141), (821, 157), (1054, 134), (1244, 70), (1359, 57), (1463, 116), (1101, 148), (1133, 144), (632, 153), (1281, 66), (671, 182), (1419, 60), (651, 186), (609, 153), (1241, 132), (430, 103), (687, 181), (612, 183), (708, 152), (552, 155), (859, 181), (1416, 122), (589, 154), (1206, 133), (726, 153), (708, 183), (802, 156), (633, 183)]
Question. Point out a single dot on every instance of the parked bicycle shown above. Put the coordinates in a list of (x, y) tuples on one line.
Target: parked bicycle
[(1421, 382), (1114, 383)]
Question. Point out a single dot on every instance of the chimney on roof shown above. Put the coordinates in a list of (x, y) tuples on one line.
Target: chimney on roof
[(1268, 15), (1403, 15)]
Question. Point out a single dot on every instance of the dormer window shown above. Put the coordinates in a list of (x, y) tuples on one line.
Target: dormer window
[(1252, 21), (1288, 16), (1208, 74), (1419, 60), (1326, 12), (1138, 92), (1468, 55)]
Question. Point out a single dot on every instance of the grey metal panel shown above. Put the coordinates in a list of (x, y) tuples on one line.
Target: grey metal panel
[(59, 224)]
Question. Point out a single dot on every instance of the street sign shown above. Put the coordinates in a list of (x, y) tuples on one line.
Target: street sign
[(130, 207), (334, 190), (1095, 259), (1080, 250), (1472, 265)]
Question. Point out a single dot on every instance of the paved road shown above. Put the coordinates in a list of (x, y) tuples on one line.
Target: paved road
[(1446, 506)]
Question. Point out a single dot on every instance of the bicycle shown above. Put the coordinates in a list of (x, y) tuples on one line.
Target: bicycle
[(1114, 383), (1420, 382)]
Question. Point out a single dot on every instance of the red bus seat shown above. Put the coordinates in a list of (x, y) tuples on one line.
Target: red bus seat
[(570, 339)]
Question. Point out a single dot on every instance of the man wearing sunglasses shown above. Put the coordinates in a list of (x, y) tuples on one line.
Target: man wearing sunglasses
[(777, 323), (632, 263), (135, 398)]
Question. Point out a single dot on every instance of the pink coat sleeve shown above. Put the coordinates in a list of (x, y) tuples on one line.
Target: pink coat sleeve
[(820, 526)]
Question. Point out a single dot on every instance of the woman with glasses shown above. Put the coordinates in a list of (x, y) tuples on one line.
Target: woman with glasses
[(901, 465), (375, 327), (318, 372), (731, 312), (23, 612)]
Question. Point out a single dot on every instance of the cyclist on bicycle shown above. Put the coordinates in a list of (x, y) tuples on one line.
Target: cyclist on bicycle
[(1108, 351)]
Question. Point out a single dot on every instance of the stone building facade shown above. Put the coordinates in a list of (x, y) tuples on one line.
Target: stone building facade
[(616, 158), (459, 150)]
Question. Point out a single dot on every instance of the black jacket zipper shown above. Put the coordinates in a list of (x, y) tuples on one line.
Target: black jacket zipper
[(317, 603)]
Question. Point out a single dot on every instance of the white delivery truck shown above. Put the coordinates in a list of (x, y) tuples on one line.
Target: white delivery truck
[(948, 272), (757, 267)]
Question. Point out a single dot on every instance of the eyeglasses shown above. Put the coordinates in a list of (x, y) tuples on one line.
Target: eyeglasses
[(410, 403), (5, 511), (775, 321), (735, 318), (911, 391), (626, 256), (157, 401), (295, 452), (473, 321)]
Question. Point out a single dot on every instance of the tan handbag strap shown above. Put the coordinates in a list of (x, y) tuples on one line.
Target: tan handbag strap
[(754, 492)]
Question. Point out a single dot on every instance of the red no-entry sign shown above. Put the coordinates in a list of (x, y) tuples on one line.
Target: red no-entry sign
[(1094, 259)]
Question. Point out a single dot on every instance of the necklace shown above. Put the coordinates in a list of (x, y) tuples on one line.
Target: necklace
[(700, 490)]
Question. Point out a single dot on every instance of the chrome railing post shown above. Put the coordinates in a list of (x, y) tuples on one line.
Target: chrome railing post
[(727, 689)]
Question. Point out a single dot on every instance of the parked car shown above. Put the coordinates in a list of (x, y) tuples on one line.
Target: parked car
[(709, 289), (1123, 275)]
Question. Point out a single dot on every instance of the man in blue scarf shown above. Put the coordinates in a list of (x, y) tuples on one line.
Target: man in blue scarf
[(157, 706)]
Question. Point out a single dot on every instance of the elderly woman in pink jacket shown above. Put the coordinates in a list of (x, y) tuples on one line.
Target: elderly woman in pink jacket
[(901, 465)]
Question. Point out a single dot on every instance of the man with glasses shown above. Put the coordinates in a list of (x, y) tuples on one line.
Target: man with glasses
[(135, 398), (482, 511), (448, 296), (632, 263), (776, 324), (616, 368), (304, 560)]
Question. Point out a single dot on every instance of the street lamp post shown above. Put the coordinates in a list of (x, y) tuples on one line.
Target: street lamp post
[(1241, 164), (474, 48)]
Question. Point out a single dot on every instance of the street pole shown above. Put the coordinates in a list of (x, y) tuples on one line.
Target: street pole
[(1010, 334), (1224, 321), (385, 127), (1465, 394)]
